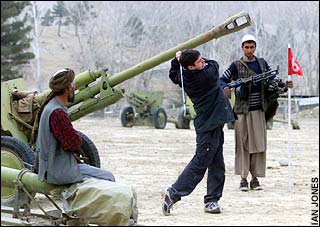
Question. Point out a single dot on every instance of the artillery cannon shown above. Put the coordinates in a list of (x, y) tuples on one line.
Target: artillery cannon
[(145, 109), (94, 91)]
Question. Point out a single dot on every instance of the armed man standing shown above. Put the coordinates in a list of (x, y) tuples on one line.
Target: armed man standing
[(250, 106)]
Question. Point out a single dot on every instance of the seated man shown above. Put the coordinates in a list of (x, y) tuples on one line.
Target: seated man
[(93, 193), (57, 140)]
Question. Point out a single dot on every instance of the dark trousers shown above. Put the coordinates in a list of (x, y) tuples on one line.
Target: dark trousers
[(209, 155)]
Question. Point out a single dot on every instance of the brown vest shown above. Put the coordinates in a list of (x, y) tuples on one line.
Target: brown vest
[(241, 106)]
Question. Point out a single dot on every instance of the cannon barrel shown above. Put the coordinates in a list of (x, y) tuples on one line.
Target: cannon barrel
[(29, 180), (230, 25)]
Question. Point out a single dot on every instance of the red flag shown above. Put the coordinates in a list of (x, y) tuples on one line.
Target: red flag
[(293, 65)]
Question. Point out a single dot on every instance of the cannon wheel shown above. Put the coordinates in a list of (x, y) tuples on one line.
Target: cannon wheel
[(183, 121), (89, 153), (159, 118), (18, 155), (127, 117)]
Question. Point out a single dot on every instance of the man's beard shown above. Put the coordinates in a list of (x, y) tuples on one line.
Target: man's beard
[(71, 97)]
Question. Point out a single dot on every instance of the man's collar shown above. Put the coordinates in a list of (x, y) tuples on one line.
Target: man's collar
[(245, 58)]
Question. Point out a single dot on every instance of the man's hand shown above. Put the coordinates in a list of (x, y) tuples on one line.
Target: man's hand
[(227, 92), (178, 54), (289, 84)]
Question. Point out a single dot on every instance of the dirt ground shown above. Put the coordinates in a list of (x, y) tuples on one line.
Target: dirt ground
[(151, 159)]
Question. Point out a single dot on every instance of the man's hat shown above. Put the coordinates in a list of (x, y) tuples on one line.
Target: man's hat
[(247, 38), (61, 80)]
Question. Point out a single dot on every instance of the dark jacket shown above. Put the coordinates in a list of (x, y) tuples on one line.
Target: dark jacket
[(202, 86)]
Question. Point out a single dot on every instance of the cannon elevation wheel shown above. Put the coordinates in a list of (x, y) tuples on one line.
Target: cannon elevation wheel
[(17, 155)]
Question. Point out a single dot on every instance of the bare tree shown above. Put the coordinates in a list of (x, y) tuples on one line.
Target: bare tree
[(35, 44), (34, 17)]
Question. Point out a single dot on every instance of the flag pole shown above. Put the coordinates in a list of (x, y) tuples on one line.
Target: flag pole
[(289, 130)]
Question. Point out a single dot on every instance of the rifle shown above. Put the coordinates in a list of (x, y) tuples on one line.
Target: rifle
[(271, 88), (254, 78)]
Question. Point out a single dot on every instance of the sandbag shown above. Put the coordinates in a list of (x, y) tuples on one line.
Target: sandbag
[(101, 202)]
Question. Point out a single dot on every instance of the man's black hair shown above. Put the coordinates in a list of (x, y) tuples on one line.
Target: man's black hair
[(188, 58)]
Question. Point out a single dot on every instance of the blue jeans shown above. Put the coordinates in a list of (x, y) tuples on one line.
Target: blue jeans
[(209, 155)]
